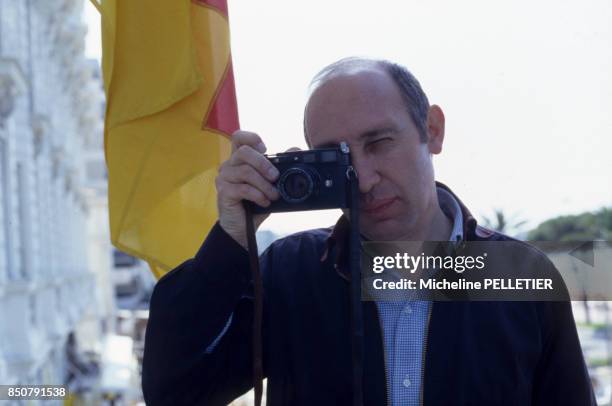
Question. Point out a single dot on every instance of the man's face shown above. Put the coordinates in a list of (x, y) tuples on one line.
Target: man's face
[(394, 167)]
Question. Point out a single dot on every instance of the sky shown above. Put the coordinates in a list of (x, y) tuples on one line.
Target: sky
[(525, 86)]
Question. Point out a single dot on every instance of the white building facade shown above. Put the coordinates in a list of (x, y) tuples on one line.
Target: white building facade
[(53, 275)]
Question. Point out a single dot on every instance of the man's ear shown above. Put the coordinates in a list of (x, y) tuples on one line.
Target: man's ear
[(435, 129)]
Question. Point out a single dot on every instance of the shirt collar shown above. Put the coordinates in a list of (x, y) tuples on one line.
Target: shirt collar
[(452, 210)]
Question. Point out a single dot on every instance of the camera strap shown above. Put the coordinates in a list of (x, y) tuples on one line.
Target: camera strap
[(355, 293), (257, 306)]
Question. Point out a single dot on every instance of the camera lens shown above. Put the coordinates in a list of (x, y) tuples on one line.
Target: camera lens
[(295, 185)]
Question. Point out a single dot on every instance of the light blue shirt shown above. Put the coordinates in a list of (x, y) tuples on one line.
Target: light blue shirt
[(404, 325)]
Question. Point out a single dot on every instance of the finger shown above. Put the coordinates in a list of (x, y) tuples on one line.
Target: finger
[(293, 149), (234, 193), (247, 174), (247, 138), (247, 155)]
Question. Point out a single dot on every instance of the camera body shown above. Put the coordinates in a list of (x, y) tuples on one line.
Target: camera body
[(314, 179)]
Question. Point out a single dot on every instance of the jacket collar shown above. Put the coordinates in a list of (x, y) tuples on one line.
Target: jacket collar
[(338, 239)]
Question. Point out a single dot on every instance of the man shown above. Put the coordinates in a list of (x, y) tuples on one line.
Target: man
[(199, 337)]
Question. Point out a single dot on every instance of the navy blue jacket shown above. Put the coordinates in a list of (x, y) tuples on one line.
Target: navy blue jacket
[(477, 353)]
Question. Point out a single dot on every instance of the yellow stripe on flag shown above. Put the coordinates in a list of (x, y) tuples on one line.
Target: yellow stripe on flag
[(165, 65)]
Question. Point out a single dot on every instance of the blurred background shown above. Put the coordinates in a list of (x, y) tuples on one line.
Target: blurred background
[(527, 92)]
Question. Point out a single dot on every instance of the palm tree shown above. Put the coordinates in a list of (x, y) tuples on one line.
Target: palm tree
[(502, 223)]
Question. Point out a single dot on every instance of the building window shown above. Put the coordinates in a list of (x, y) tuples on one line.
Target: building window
[(24, 221), (5, 210), (58, 299), (123, 260), (33, 313)]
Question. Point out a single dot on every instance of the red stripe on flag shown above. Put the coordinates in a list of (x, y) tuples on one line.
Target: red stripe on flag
[(219, 5), (223, 115)]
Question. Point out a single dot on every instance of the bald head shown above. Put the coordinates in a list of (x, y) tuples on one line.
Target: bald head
[(410, 90)]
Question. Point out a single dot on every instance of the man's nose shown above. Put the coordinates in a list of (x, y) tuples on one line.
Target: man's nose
[(367, 173)]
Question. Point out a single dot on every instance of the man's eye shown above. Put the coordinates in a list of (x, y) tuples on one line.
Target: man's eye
[(378, 143)]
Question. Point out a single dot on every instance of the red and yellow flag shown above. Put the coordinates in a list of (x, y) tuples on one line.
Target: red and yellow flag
[(171, 107)]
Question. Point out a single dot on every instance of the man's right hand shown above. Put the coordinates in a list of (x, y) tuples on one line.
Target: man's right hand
[(246, 175)]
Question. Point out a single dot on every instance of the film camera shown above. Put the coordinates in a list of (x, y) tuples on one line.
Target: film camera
[(311, 180)]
